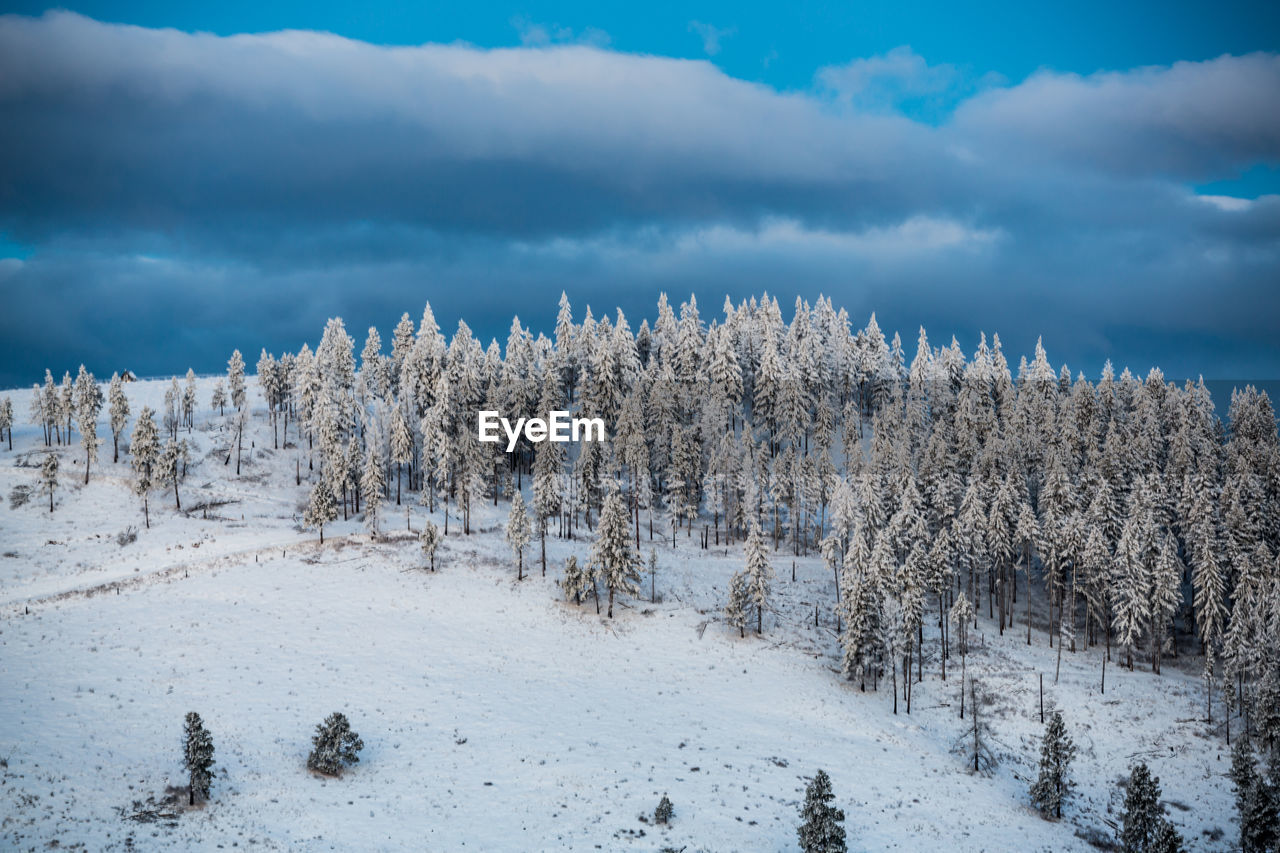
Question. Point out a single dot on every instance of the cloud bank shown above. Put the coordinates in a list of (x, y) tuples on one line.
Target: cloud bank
[(179, 179)]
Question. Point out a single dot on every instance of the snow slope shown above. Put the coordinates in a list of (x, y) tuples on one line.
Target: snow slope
[(494, 715)]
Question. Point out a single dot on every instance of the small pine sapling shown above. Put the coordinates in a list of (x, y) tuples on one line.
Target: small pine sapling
[(1056, 753), (664, 812), (735, 611), (197, 758), (322, 507), (334, 746), (429, 540)]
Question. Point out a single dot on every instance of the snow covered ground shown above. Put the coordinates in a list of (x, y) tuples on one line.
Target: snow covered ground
[(495, 716)]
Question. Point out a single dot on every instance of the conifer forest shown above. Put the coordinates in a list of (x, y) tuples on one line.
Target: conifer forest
[(817, 588)]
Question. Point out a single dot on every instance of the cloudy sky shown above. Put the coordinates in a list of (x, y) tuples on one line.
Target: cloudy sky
[(175, 183)]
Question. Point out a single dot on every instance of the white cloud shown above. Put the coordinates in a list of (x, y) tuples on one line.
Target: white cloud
[(880, 82), (711, 36), (1228, 203), (1189, 119), (535, 34), (906, 240)]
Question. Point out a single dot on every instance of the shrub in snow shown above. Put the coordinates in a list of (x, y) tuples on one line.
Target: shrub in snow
[(664, 811), (127, 536), (820, 830), (198, 758), (334, 746)]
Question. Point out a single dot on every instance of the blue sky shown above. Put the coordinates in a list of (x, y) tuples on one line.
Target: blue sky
[(1103, 174)]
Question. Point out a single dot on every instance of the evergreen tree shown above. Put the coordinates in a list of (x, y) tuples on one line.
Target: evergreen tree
[(372, 480), (612, 557), (1131, 596), (1143, 815), (759, 574), (653, 576), (820, 828), (189, 400), (429, 540), (1056, 753), (334, 746), (219, 399), (169, 469), (518, 532), (664, 812), (197, 758), (144, 448), (578, 581), (172, 407), (1256, 805), (1166, 595), (65, 405), (1167, 839), (235, 378), (88, 405), (40, 412), (401, 444), (401, 347), (6, 420), (118, 409), (49, 475), (737, 609), (961, 616), (322, 507)]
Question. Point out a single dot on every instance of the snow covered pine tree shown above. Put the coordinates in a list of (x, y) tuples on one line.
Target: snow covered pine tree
[(1144, 828), (820, 830), (429, 540), (49, 475), (1056, 753), (334, 746), (519, 532), (611, 554), (197, 758)]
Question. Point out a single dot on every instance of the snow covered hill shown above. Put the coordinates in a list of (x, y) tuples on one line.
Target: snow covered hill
[(495, 715)]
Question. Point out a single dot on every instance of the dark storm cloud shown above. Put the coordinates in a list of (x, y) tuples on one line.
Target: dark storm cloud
[(187, 193), (1193, 119)]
